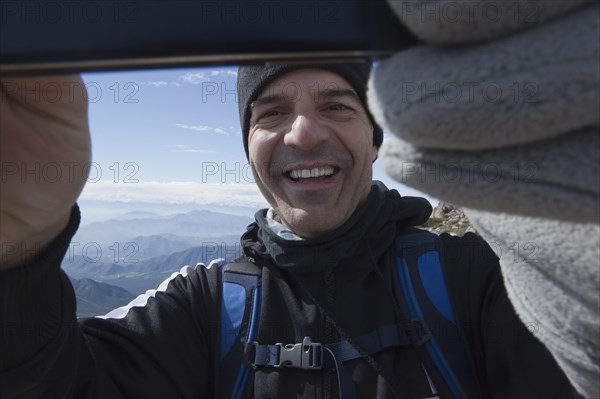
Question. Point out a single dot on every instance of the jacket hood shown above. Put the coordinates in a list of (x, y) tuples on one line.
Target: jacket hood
[(366, 235)]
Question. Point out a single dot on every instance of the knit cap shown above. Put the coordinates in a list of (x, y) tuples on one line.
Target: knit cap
[(251, 80)]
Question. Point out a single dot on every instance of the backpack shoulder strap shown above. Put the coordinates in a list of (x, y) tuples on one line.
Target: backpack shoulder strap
[(421, 291), (239, 320)]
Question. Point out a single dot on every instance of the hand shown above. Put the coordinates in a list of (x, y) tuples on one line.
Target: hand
[(45, 153)]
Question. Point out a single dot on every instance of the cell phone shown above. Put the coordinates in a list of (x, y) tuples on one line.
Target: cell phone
[(44, 37)]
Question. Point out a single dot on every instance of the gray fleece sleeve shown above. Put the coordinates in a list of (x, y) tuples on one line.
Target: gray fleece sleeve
[(500, 116)]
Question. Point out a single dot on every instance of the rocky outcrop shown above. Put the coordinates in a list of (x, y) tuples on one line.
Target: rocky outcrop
[(447, 218)]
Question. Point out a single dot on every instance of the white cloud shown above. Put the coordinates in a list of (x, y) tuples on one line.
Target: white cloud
[(235, 131), (156, 83), (180, 192), (196, 78), (193, 78), (198, 128), (204, 128), (224, 72), (221, 131), (190, 149)]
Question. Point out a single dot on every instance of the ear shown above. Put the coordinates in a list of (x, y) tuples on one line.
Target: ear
[(375, 154)]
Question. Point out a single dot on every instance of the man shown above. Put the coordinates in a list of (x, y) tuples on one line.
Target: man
[(324, 248)]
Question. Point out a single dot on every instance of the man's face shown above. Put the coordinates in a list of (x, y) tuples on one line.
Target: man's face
[(311, 150)]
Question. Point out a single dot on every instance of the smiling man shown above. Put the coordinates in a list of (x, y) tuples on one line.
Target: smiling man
[(311, 146), (329, 319)]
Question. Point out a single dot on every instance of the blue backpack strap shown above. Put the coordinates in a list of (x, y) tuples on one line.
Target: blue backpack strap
[(239, 320), (420, 288)]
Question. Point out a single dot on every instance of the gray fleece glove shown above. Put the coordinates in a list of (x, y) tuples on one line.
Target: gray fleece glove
[(500, 113)]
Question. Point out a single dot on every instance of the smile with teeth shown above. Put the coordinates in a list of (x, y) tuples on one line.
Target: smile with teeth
[(297, 174)]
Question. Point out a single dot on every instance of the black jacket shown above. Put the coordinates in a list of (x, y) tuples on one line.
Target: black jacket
[(163, 345)]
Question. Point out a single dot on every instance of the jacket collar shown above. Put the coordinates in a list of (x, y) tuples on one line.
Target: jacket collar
[(357, 243)]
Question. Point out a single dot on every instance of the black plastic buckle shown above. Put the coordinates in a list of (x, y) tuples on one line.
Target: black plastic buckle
[(249, 353), (420, 331), (308, 355)]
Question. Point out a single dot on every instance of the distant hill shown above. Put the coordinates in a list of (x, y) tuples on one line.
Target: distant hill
[(152, 246), (196, 225), (95, 298), (139, 250), (149, 273), (102, 210)]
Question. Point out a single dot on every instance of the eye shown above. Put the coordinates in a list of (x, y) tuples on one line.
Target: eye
[(265, 115), (269, 113), (337, 107), (269, 117)]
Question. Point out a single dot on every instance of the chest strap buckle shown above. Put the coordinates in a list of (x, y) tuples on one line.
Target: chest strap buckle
[(308, 355)]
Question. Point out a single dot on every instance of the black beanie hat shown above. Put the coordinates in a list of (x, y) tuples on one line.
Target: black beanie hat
[(251, 80)]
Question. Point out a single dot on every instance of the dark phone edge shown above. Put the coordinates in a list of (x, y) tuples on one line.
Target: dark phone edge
[(381, 35), (63, 67)]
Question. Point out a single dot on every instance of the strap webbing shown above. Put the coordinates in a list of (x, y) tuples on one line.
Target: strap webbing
[(345, 383), (280, 355), (384, 337), (314, 356)]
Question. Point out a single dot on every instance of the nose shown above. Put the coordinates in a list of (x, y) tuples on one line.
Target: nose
[(306, 132)]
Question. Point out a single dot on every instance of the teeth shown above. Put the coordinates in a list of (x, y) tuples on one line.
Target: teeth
[(314, 172)]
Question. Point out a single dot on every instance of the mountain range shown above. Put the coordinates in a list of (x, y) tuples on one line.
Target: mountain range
[(148, 273), (95, 298), (195, 225), (136, 253)]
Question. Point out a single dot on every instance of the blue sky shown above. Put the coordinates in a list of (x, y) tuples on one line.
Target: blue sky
[(172, 137)]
